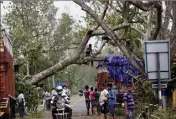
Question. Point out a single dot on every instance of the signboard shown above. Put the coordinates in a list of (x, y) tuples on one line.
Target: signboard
[(157, 50), (157, 64)]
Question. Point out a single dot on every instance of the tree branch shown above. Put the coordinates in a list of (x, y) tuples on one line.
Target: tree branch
[(111, 34), (143, 6), (166, 20), (105, 10), (93, 57), (102, 32), (117, 10), (147, 7), (62, 63), (158, 22)]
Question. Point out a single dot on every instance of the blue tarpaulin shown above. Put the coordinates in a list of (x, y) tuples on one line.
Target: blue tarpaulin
[(118, 66)]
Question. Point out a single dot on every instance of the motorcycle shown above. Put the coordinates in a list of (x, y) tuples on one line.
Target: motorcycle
[(48, 105), (80, 93), (61, 108)]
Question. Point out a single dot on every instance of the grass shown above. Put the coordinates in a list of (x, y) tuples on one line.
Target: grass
[(34, 115)]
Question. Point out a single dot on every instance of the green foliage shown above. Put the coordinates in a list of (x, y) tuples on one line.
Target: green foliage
[(119, 112), (165, 114), (31, 24), (78, 76), (37, 115), (31, 94)]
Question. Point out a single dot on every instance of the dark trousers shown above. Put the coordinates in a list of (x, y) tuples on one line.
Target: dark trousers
[(87, 106), (21, 109)]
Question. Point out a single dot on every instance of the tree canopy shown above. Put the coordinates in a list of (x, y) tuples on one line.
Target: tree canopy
[(44, 45)]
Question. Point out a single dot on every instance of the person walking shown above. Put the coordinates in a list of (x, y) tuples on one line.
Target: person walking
[(103, 101), (66, 90), (112, 101), (46, 100), (21, 104), (92, 99), (97, 96), (87, 99), (129, 103)]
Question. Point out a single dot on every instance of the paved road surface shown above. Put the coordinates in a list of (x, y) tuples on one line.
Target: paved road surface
[(79, 109)]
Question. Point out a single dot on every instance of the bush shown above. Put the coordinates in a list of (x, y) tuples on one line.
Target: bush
[(31, 95), (165, 114), (119, 112)]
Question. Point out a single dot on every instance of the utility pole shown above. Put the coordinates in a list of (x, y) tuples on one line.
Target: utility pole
[(53, 78)]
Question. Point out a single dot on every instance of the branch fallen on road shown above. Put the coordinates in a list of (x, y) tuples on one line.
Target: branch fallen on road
[(62, 63)]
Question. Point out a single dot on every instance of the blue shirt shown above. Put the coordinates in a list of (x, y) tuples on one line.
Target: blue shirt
[(113, 101)]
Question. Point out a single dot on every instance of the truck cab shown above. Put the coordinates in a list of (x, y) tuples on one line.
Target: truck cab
[(7, 82)]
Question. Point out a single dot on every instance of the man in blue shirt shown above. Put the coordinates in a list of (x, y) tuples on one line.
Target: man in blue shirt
[(111, 100)]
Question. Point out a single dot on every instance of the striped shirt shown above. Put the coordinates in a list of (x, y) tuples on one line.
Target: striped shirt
[(129, 99)]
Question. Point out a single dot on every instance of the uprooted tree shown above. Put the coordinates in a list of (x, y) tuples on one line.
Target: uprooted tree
[(127, 24)]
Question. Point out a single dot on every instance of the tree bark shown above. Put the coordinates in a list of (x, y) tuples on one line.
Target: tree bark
[(173, 33), (164, 30)]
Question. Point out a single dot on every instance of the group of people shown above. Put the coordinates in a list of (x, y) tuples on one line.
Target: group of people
[(48, 95), (105, 101), (60, 102)]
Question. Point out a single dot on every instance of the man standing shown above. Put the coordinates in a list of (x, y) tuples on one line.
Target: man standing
[(112, 100), (46, 100), (92, 99), (87, 99), (129, 103), (66, 90), (103, 101), (21, 104), (97, 96)]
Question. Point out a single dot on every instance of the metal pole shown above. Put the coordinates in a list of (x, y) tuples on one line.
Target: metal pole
[(53, 81), (0, 20), (159, 80), (53, 78)]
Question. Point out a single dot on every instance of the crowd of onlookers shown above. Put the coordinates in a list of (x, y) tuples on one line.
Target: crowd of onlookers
[(105, 101)]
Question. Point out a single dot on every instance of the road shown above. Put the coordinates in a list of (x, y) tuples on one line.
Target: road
[(79, 109)]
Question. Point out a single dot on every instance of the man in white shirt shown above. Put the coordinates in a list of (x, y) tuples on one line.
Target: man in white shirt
[(53, 92), (21, 104), (66, 90), (103, 101)]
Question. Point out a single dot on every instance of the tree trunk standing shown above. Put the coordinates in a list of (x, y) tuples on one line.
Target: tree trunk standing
[(173, 32)]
